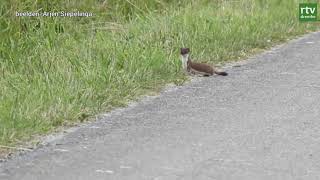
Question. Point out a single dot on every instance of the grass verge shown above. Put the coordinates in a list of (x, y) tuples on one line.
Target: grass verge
[(58, 71)]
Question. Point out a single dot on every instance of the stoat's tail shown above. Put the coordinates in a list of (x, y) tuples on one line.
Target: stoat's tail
[(221, 73)]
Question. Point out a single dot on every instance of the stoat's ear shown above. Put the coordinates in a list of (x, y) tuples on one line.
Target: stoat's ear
[(181, 51)]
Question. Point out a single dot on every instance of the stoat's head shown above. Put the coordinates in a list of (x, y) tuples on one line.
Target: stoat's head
[(184, 57), (184, 51)]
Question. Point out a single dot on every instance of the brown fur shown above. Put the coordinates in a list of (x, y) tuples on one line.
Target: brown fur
[(200, 67)]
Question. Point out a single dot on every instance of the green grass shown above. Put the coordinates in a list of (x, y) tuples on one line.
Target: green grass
[(58, 71)]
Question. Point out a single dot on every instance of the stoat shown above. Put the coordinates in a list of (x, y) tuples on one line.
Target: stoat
[(197, 68)]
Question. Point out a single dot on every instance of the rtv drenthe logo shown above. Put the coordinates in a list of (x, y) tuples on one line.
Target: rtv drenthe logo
[(308, 11)]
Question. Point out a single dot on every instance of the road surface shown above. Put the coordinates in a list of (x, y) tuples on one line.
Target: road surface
[(261, 122)]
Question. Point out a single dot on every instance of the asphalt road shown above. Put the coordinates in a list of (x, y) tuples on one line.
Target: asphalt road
[(261, 122)]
